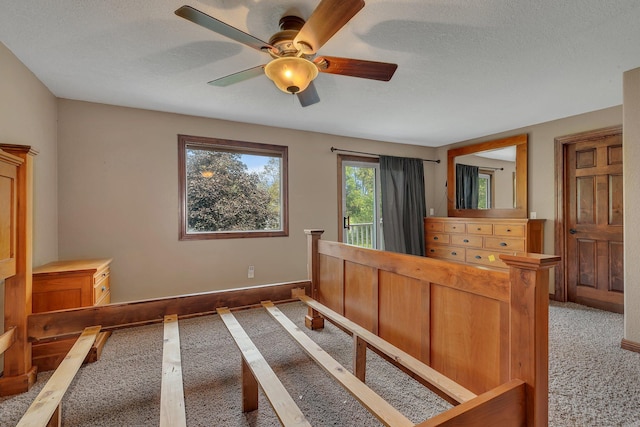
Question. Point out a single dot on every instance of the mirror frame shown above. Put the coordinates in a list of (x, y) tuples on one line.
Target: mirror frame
[(521, 209)]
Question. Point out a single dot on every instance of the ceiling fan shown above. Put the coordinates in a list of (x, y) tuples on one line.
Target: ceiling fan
[(294, 64)]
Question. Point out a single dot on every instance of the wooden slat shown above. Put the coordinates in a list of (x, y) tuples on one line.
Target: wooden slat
[(138, 313), (172, 412), (49, 398), (442, 383), (379, 407), (7, 339), (501, 406), (284, 406)]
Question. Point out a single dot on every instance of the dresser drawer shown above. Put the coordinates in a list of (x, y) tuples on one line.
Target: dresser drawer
[(437, 238), (102, 292), (447, 252), (504, 244), (482, 257), (480, 228), (437, 226), (101, 275), (455, 227), (513, 230), (466, 240)]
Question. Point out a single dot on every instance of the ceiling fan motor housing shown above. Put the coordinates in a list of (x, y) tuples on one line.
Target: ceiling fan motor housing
[(283, 40)]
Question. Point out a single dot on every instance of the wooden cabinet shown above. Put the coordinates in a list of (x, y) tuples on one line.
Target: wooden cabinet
[(480, 241), (69, 284)]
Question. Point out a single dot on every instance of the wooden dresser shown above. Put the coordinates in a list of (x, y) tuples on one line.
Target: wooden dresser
[(480, 241), (61, 285)]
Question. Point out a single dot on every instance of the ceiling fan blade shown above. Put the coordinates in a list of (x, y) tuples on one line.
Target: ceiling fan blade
[(324, 22), (238, 77), (356, 67), (309, 96), (211, 23)]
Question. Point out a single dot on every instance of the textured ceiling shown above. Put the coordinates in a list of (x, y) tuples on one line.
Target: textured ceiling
[(465, 68)]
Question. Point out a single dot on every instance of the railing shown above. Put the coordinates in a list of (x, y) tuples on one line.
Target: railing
[(361, 235)]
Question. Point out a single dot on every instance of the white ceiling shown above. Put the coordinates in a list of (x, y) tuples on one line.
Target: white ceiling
[(466, 68)]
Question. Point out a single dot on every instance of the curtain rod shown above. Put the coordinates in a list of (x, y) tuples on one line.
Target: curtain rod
[(372, 154)]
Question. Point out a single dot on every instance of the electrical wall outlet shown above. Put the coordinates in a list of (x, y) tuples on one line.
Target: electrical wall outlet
[(251, 272), (533, 215)]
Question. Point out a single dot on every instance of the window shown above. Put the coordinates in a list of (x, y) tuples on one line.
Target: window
[(231, 189), (485, 191)]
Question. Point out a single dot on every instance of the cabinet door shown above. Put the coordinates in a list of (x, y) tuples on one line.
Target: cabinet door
[(8, 205), (62, 291)]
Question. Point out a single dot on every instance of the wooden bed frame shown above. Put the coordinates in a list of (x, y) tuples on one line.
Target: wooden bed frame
[(476, 337)]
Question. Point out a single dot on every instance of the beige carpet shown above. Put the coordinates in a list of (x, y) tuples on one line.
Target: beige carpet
[(593, 382)]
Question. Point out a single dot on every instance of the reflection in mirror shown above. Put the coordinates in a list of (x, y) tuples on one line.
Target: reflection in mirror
[(488, 179)]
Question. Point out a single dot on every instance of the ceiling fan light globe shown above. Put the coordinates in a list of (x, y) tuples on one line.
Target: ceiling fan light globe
[(291, 74)]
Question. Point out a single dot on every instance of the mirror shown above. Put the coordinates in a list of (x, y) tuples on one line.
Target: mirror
[(499, 169)]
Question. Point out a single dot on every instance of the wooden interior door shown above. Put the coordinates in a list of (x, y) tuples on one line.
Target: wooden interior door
[(594, 222)]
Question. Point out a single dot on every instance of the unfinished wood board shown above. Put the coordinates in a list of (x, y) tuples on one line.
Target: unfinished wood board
[(284, 406), (379, 407), (172, 412), (48, 400)]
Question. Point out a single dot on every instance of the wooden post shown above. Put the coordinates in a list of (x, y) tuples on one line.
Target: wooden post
[(313, 320), (359, 357), (19, 374), (249, 389), (529, 330)]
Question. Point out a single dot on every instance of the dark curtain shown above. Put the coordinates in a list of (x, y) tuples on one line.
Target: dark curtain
[(403, 204), (467, 186)]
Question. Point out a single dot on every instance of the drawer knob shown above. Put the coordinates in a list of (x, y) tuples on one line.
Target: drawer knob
[(454, 253), (104, 288), (435, 238), (478, 257), (104, 274), (508, 230), (503, 244), (478, 228), (432, 250), (466, 240)]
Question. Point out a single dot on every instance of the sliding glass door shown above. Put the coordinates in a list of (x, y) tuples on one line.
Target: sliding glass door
[(361, 219)]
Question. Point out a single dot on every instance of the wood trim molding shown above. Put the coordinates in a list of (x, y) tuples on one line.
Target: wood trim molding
[(630, 345), (561, 143)]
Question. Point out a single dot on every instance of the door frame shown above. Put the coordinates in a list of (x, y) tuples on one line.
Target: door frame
[(560, 234), (347, 158)]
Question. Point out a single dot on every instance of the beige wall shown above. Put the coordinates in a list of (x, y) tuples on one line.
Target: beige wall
[(118, 197), (28, 116), (631, 150)]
